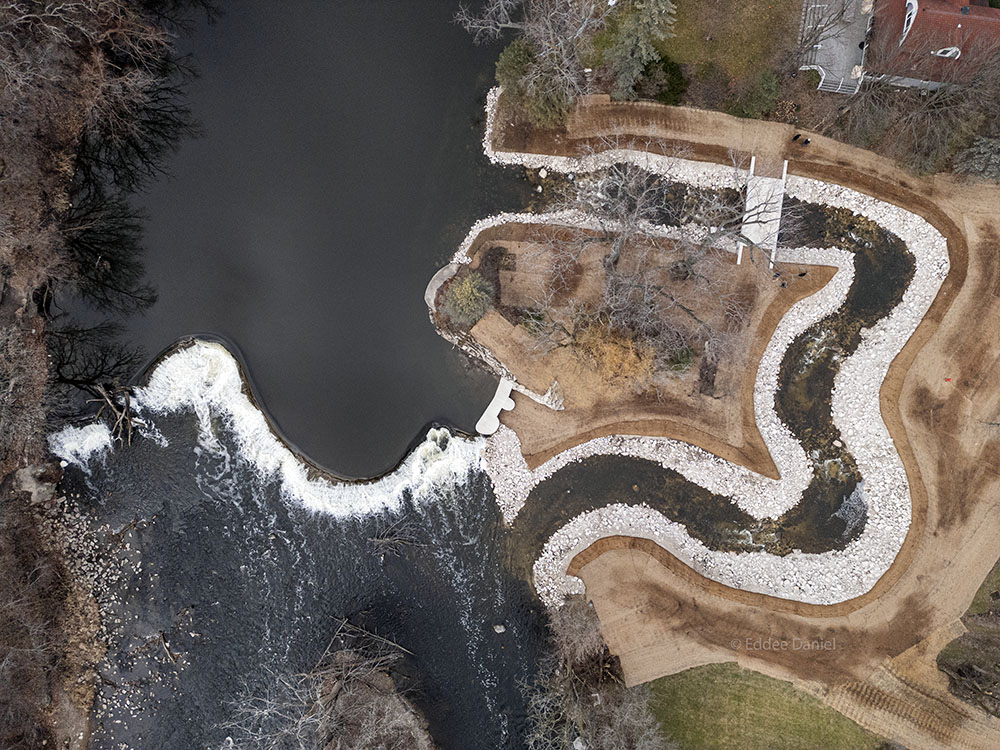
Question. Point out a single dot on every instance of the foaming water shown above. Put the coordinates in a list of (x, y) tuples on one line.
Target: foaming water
[(77, 445), (204, 378), (236, 562)]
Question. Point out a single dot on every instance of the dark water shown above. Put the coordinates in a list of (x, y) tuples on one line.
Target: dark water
[(245, 585), (340, 166)]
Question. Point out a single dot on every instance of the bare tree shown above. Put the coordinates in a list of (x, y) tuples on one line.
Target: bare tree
[(559, 32), (554, 58), (90, 103), (576, 631), (22, 385), (33, 590), (347, 701), (580, 698), (922, 124), (667, 296)]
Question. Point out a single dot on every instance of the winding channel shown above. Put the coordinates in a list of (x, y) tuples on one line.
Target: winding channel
[(816, 578)]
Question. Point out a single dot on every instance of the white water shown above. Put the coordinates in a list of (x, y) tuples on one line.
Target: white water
[(205, 378), (77, 445)]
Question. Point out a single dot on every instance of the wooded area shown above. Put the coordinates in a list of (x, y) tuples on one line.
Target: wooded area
[(90, 101), (746, 60)]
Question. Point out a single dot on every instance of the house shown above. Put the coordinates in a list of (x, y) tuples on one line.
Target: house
[(932, 40)]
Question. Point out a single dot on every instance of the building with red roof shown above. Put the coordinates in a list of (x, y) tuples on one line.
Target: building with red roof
[(932, 40)]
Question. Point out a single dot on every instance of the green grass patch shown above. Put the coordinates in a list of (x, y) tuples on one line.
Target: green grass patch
[(724, 707), (682, 359), (983, 602), (744, 38)]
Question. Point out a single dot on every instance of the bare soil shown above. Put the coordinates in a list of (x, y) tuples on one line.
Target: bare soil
[(720, 421)]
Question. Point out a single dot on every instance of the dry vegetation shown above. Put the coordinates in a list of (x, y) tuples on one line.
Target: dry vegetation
[(33, 589), (89, 103), (89, 106), (580, 699), (925, 128), (634, 305), (48, 620), (663, 306), (347, 701)]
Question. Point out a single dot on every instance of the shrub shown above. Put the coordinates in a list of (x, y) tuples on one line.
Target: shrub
[(544, 109), (616, 356), (514, 64), (681, 360), (759, 98), (580, 699), (348, 701), (664, 81), (32, 589), (467, 299), (981, 159), (710, 85)]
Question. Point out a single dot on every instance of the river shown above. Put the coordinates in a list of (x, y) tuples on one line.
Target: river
[(219, 580), (340, 165)]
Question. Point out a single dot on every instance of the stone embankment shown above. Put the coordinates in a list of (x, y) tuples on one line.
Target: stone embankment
[(825, 578)]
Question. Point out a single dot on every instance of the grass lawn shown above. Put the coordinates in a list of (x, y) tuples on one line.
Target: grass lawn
[(724, 707), (982, 601), (972, 661), (742, 37)]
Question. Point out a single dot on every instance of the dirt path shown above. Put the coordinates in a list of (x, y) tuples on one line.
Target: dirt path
[(940, 394)]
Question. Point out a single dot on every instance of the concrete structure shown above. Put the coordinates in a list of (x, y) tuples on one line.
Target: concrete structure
[(762, 214), (490, 421), (837, 30)]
